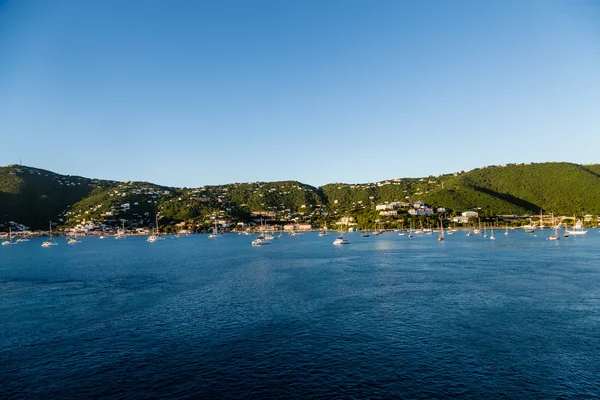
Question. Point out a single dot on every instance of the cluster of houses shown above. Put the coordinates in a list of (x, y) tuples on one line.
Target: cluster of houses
[(414, 208)]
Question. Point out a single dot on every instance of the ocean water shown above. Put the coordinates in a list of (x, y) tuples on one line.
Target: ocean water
[(382, 317)]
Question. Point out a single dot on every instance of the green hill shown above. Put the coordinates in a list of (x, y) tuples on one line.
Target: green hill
[(33, 197)]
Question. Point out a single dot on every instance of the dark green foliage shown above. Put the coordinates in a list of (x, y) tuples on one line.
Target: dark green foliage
[(33, 197)]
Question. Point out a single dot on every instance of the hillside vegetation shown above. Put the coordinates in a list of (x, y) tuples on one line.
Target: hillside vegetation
[(33, 196)]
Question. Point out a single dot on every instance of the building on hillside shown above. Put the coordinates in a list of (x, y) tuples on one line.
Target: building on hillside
[(460, 220), (388, 212), (262, 214), (346, 220), (470, 214), (420, 211)]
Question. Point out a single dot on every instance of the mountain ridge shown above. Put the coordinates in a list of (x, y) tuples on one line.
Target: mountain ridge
[(34, 196)]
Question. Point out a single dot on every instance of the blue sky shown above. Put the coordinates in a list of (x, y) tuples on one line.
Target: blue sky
[(188, 93)]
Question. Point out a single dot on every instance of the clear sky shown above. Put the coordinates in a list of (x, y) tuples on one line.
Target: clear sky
[(188, 93)]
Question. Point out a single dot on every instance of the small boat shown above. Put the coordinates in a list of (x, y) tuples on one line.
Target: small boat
[(341, 239), (492, 236), (364, 234), (51, 242), (554, 236), (215, 232), (121, 233), (441, 235), (73, 240), (566, 234), (324, 232), (154, 236), (260, 241), (10, 240)]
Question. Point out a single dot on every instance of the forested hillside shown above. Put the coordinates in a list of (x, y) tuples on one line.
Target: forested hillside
[(33, 196)]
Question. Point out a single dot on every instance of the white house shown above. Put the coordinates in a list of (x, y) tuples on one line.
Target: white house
[(388, 212), (461, 220)]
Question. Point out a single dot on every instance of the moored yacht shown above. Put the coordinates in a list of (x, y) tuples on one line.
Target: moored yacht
[(578, 229), (10, 240), (50, 242)]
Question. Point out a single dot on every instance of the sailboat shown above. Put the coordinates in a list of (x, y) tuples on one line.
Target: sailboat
[(341, 239), (10, 239), (476, 231), (261, 240), (50, 242), (215, 233), (506, 231), (441, 236), (121, 233), (22, 238), (376, 231), (73, 240), (554, 236), (578, 229), (155, 236), (324, 231), (492, 237)]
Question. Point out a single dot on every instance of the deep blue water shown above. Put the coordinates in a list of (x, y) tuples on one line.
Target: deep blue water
[(382, 317)]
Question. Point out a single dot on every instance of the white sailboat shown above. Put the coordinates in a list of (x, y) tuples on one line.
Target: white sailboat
[(121, 233), (441, 235), (215, 232), (50, 242), (10, 239), (492, 237), (554, 236), (324, 232), (578, 229), (341, 239), (476, 231), (155, 236)]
